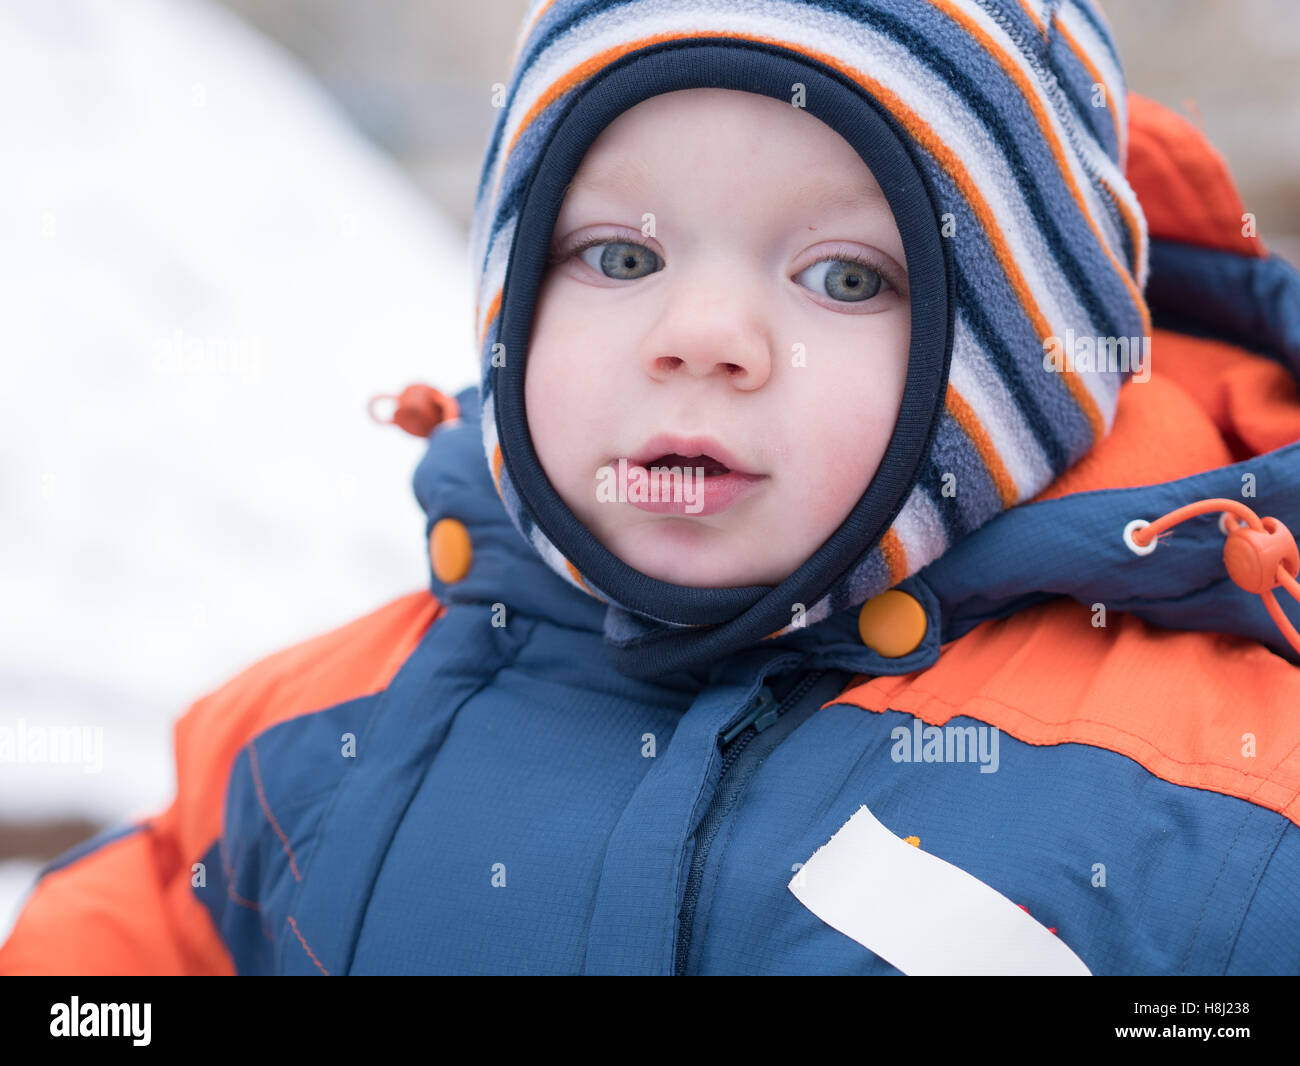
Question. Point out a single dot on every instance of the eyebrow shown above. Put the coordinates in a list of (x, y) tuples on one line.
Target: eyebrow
[(629, 171), (818, 194), (622, 172)]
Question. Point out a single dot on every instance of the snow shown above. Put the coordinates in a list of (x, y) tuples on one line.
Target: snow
[(204, 276)]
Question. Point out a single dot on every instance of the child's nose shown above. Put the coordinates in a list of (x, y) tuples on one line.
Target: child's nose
[(723, 337)]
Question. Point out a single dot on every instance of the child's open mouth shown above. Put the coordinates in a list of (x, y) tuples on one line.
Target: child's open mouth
[(710, 466), (683, 477)]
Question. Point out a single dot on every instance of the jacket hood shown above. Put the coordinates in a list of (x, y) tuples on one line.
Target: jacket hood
[(995, 129), (1218, 418)]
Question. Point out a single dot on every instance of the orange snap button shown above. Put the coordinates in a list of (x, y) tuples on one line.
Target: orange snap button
[(449, 550), (892, 623)]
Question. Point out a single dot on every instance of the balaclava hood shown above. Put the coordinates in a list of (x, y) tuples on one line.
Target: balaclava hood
[(996, 129)]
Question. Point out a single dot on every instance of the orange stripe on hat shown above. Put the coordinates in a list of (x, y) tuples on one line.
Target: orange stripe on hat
[(1086, 61), (891, 547), (496, 467), (526, 32), (582, 582), (1033, 17), (1017, 75), (964, 415), (493, 308), (1136, 237)]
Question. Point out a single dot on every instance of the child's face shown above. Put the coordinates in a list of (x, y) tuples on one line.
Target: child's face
[(713, 318)]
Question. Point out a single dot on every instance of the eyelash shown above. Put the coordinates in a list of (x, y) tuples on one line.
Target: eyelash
[(887, 275), (856, 258), (583, 245)]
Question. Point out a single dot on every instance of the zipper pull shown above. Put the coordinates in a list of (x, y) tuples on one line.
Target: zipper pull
[(765, 711)]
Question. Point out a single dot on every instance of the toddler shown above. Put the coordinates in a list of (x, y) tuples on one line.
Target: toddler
[(801, 592)]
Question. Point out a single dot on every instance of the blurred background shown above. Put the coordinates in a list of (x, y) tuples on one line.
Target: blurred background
[(413, 77), (223, 227)]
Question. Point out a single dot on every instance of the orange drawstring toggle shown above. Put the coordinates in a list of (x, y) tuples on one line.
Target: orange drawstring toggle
[(1259, 553), (419, 410), (1253, 556)]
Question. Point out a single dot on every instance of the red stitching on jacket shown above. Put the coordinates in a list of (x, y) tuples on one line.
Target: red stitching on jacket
[(261, 798), (237, 898), (306, 948), (230, 877)]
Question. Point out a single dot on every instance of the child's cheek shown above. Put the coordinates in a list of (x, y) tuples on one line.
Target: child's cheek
[(841, 454), (543, 397), (567, 410), (833, 493)]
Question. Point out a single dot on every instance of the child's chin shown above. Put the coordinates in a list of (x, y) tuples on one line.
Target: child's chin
[(664, 553)]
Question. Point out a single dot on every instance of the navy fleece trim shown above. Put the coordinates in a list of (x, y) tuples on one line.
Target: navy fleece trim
[(885, 149)]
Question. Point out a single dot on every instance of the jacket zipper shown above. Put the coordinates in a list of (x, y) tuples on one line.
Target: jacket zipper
[(763, 714)]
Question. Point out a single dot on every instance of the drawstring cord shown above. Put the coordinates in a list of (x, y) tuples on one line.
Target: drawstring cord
[(419, 410), (1259, 553)]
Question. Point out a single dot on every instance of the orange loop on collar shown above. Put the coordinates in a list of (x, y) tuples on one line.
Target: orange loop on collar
[(1260, 554), (419, 410)]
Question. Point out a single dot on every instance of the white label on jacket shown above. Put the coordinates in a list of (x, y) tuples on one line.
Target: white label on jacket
[(921, 914)]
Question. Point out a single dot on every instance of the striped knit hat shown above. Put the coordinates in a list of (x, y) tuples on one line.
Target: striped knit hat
[(996, 128)]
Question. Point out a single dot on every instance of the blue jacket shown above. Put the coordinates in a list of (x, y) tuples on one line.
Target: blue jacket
[(518, 806), (503, 800)]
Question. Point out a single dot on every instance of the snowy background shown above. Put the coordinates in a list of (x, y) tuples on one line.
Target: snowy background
[(204, 275), (223, 227)]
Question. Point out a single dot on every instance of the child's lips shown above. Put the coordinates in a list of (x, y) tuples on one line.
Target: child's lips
[(674, 489), (688, 450), (686, 475)]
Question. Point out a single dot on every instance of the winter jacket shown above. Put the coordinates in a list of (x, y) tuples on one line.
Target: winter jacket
[(464, 781)]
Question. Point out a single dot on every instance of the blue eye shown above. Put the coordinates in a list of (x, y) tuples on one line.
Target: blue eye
[(620, 260), (843, 279)]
